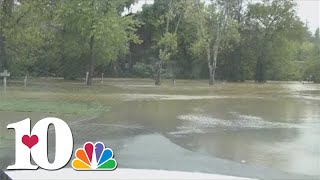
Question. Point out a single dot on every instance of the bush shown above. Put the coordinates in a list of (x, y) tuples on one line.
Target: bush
[(143, 70), (312, 71)]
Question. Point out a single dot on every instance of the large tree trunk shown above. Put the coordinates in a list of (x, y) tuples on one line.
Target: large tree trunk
[(6, 11), (260, 71), (3, 54), (210, 66), (91, 61), (65, 71), (260, 76), (91, 58), (158, 75), (211, 76), (173, 74), (214, 63)]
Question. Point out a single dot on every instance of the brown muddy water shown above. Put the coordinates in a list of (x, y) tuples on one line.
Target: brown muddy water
[(253, 130)]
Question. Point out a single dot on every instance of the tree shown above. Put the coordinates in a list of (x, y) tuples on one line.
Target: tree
[(235, 65), (238, 39), (213, 23), (167, 43), (5, 17), (317, 35), (25, 35), (270, 18), (104, 31), (311, 53)]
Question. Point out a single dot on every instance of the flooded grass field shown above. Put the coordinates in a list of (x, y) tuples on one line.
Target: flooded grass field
[(252, 130)]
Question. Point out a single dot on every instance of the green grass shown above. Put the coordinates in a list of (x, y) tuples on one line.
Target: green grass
[(69, 102), (72, 99), (55, 107)]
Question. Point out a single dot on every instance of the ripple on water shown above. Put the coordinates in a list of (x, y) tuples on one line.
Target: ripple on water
[(187, 130), (198, 123), (134, 97), (306, 97)]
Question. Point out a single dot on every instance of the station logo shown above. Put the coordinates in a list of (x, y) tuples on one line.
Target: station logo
[(34, 144), (94, 157)]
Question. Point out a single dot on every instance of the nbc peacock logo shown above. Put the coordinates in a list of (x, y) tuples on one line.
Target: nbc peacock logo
[(94, 157)]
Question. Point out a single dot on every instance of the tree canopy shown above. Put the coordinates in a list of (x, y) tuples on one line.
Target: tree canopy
[(225, 40)]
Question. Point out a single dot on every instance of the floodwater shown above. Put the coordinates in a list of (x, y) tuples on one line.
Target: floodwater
[(264, 131)]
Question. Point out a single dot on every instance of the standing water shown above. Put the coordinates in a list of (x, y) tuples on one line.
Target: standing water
[(263, 131)]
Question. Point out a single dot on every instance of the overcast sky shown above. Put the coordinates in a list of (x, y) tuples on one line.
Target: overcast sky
[(309, 11)]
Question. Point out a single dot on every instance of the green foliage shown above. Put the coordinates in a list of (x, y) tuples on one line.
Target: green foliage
[(275, 20), (112, 31), (142, 70), (168, 46), (312, 55), (261, 40), (168, 41), (51, 38), (197, 49), (283, 65)]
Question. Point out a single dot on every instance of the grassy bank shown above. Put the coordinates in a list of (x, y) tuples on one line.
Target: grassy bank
[(70, 102), (52, 107), (52, 97)]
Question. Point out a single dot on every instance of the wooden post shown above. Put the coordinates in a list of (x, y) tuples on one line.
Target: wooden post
[(5, 74), (5, 84), (102, 78), (25, 80), (173, 81), (87, 77)]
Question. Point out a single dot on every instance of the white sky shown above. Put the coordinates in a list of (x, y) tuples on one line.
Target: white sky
[(308, 10)]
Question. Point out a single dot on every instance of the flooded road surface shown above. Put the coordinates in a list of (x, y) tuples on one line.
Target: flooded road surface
[(250, 130)]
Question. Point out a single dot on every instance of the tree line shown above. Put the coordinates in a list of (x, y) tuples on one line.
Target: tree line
[(233, 40)]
